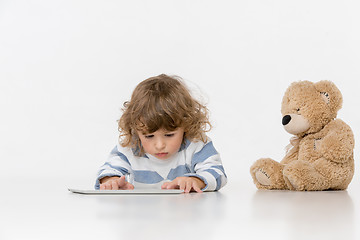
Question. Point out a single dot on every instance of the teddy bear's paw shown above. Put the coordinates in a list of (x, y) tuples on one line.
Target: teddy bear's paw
[(293, 178), (262, 177), (267, 174), (291, 183), (303, 176)]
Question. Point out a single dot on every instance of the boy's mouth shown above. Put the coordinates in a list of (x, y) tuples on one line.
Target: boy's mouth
[(161, 155)]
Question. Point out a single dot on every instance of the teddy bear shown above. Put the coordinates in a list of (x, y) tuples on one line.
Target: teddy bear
[(320, 154)]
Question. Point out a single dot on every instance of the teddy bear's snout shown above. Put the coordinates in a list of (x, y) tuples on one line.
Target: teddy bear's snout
[(286, 119), (295, 123)]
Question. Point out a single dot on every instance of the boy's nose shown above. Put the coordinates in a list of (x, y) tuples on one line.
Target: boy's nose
[(160, 144)]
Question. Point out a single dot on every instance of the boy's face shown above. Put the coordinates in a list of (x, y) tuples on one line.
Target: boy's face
[(162, 144)]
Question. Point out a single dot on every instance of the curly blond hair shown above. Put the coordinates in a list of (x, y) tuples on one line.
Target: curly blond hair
[(162, 102)]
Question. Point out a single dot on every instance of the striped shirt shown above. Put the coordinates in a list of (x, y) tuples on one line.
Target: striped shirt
[(194, 159)]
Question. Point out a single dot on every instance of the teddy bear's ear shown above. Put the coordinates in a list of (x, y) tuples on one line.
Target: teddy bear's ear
[(326, 97), (331, 95)]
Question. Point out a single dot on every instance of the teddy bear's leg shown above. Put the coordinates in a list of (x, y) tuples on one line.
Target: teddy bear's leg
[(267, 174), (338, 176), (303, 176)]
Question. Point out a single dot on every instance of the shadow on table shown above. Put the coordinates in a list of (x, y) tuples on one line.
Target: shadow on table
[(163, 216), (305, 215)]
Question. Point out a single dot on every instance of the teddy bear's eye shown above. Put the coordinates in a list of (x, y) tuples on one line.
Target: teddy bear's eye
[(298, 109)]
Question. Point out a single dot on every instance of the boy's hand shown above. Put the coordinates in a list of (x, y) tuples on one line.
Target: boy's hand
[(185, 183), (115, 183)]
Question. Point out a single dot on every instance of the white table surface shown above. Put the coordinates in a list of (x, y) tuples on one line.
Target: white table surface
[(35, 209)]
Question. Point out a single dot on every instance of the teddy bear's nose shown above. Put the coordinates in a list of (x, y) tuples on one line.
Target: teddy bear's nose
[(286, 119)]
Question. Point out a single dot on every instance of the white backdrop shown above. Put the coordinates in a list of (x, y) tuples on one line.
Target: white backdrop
[(66, 67)]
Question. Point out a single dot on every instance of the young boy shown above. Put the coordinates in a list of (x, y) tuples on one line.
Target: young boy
[(163, 142)]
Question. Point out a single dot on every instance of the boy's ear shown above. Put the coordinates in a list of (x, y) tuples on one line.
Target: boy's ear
[(330, 94)]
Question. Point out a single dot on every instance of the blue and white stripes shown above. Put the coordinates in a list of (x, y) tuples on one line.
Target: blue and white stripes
[(193, 159)]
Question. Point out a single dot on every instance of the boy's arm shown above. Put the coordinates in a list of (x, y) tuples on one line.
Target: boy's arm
[(117, 165), (207, 166)]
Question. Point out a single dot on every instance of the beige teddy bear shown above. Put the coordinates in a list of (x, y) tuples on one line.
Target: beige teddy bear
[(321, 153)]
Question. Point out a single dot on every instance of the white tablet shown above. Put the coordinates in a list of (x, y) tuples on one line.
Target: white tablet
[(134, 191)]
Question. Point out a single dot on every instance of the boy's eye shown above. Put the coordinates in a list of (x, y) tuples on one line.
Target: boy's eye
[(149, 136), (169, 135)]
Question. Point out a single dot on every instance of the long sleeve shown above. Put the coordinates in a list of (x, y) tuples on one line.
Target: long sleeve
[(116, 165), (196, 159), (206, 165)]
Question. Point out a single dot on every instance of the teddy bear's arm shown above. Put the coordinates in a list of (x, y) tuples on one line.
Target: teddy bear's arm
[(338, 144), (292, 155)]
